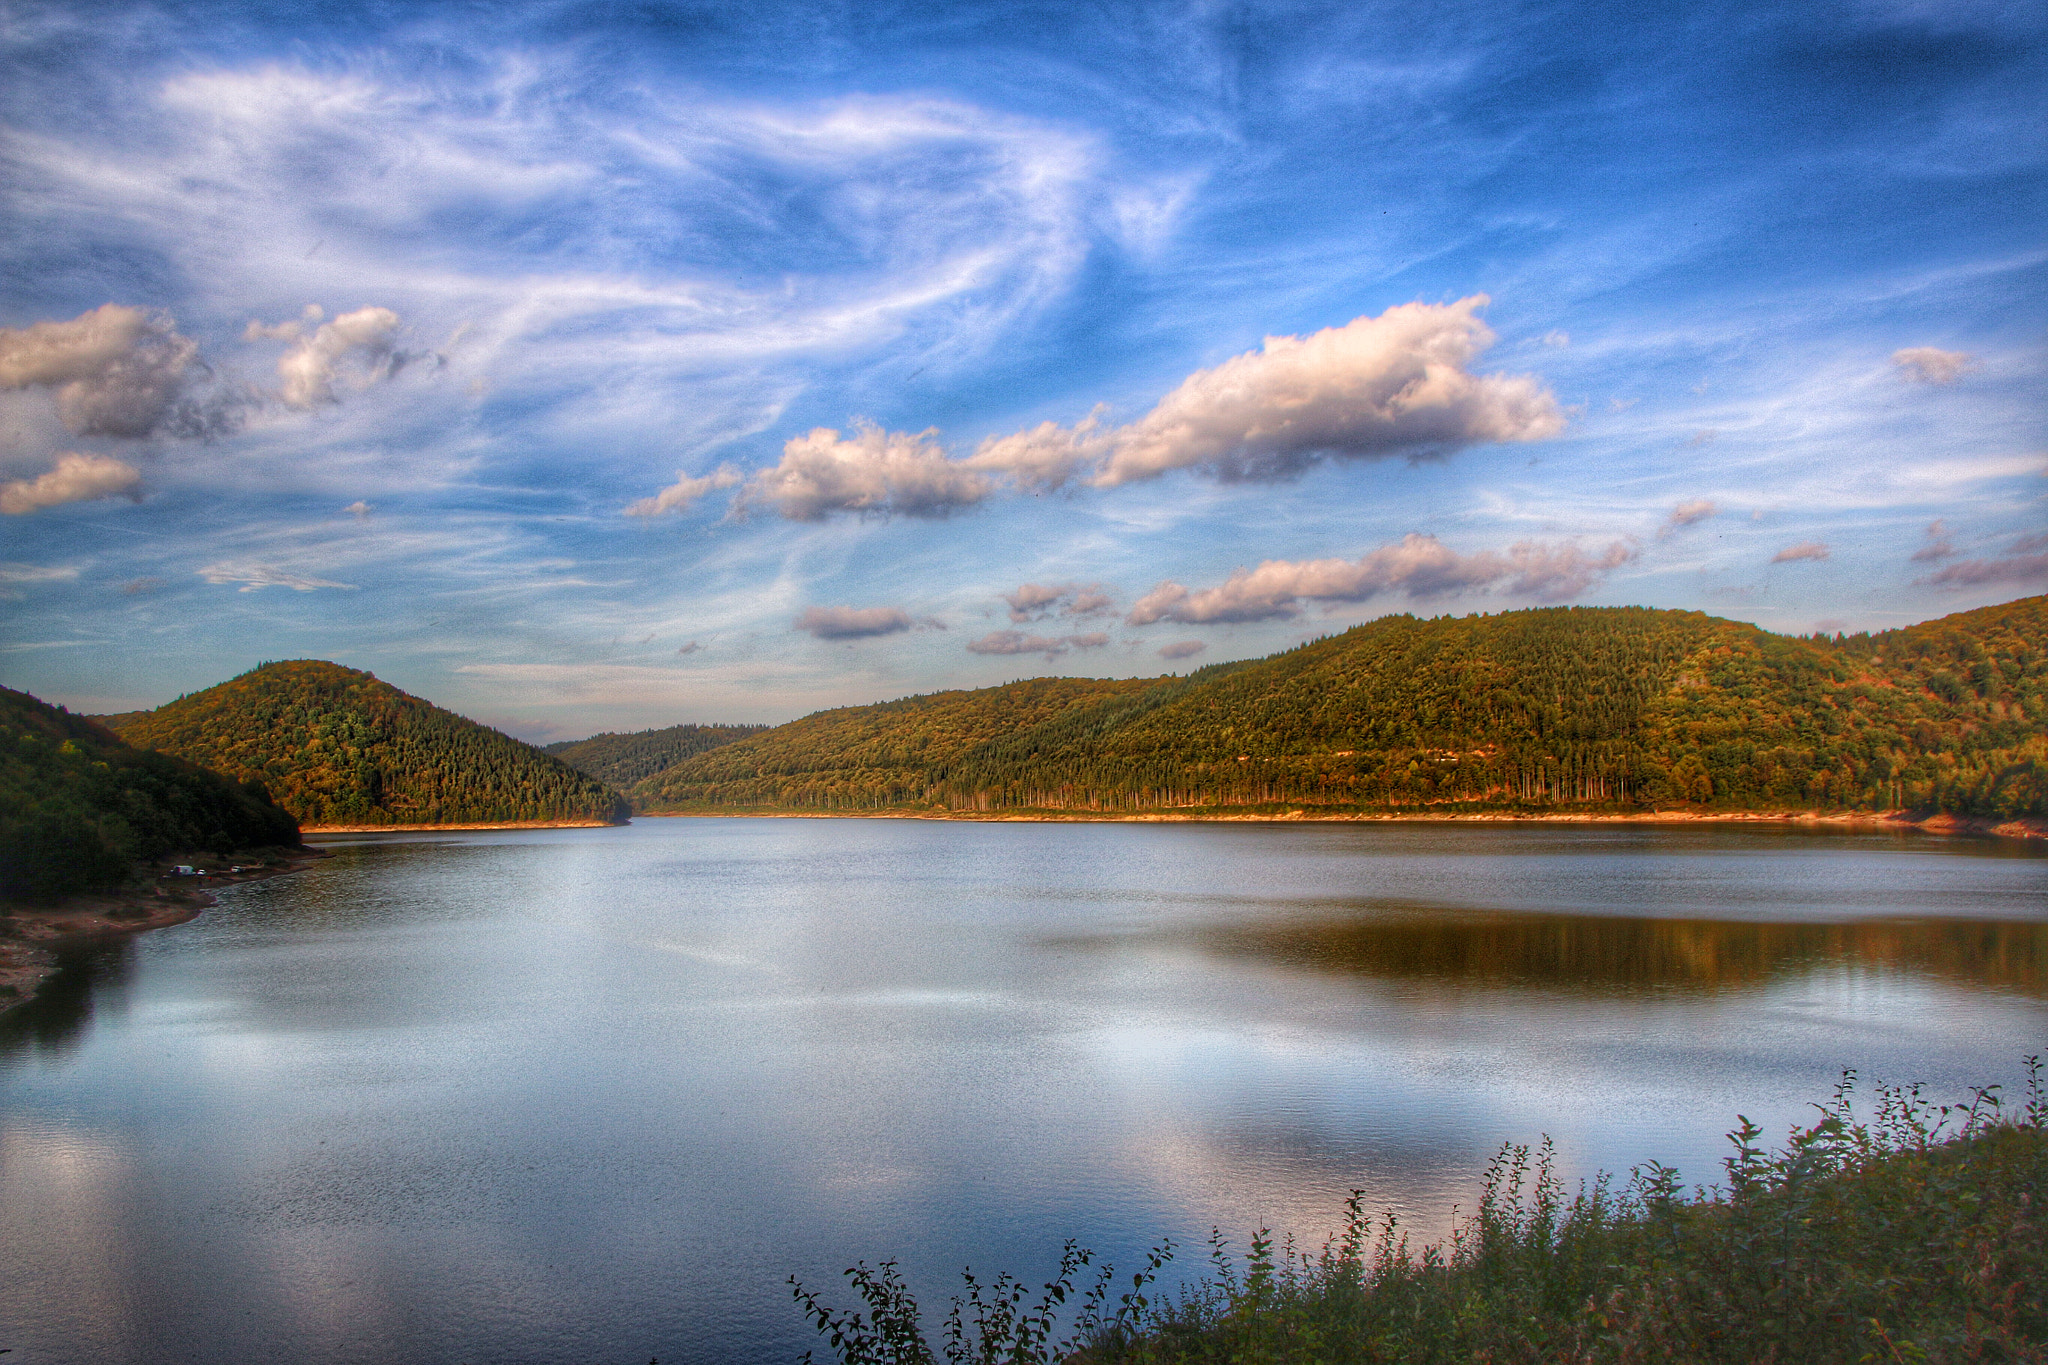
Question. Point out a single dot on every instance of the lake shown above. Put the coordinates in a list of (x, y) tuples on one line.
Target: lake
[(593, 1095)]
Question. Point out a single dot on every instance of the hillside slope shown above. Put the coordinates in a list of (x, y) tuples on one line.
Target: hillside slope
[(622, 760), (78, 807), (337, 747), (1594, 707)]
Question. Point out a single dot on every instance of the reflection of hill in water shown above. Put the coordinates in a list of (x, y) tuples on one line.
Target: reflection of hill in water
[(1603, 953)]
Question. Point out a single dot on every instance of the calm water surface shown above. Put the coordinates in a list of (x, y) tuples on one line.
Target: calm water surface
[(591, 1095)]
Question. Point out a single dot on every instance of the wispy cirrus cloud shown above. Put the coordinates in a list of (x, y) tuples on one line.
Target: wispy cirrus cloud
[(256, 576), (1417, 566)]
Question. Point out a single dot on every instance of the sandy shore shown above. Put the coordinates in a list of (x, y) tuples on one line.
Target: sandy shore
[(33, 936), (2024, 827), (416, 829)]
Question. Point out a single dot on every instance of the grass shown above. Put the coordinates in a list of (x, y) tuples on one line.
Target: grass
[(1911, 1233)]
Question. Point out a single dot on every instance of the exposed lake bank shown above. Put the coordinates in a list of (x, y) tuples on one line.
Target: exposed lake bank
[(459, 825), (2019, 827), (33, 938)]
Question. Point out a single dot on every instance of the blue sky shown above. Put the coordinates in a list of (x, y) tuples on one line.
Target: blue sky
[(592, 367)]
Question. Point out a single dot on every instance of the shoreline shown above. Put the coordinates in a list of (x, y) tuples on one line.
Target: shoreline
[(33, 937), (2017, 827), (494, 824)]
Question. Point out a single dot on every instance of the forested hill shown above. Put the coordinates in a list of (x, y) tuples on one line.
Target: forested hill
[(79, 808), (623, 760), (337, 747), (1588, 708)]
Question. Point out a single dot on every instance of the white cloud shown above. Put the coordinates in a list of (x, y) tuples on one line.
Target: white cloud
[(1932, 365), (851, 623), (36, 573), (1037, 601), (1938, 545), (1805, 549), (359, 345), (1970, 573), (117, 371), (360, 509), (1417, 565), (254, 576), (1688, 513), (1396, 384), (1018, 642), (890, 472), (1182, 649), (77, 477), (284, 331), (681, 495)]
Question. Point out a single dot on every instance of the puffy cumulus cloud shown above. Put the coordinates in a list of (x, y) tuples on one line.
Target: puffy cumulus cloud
[(682, 495), (255, 576), (360, 509), (1932, 365), (1182, 649), (1037, 601), (883, 472), (1048, 455), (1805, 549), (1419, 566), (1688, 513), (76, 477), (851, 623), (361, 346), (1018, 642), (1938, 546), (1396, 384), (116, 371)]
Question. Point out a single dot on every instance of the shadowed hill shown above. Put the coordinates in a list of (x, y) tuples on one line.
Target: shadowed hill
[(338, 747), (622, 760), (1595, 707), (78, 807)]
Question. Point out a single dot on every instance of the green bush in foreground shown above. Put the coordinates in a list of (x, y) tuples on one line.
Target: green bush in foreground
[(1914, 1235)]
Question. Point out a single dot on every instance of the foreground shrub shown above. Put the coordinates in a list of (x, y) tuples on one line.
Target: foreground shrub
[(1911, 1235)]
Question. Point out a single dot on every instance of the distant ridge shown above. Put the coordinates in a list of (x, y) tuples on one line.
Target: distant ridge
[(1556, 709), (336, 746), (79, 808), (623, 760)]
